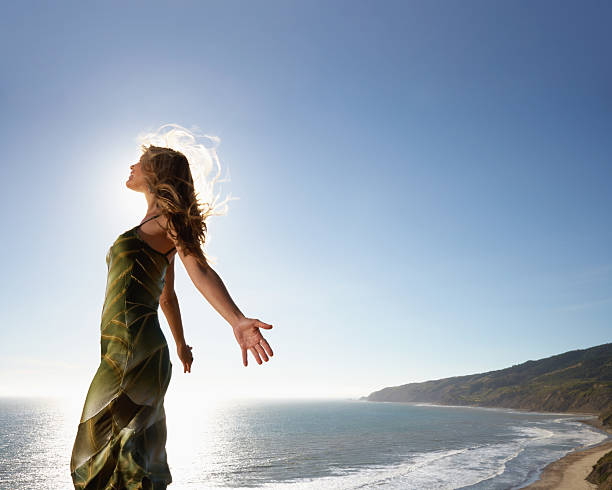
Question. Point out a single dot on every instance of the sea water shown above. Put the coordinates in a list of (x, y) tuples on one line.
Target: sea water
[(312, 444)]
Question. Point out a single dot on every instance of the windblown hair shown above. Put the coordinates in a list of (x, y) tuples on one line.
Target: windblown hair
[(168, 177)]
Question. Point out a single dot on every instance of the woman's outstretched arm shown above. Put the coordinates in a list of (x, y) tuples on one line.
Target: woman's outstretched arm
[(170, 306), (246, 330)]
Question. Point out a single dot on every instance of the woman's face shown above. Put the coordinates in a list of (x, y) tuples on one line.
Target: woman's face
[(136, 180)]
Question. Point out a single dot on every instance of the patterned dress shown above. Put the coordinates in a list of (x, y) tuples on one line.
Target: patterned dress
[(121, 437)]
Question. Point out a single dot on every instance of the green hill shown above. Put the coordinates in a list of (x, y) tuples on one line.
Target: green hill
[(576, 381)]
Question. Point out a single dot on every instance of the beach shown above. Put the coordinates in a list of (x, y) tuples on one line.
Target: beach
[(569, 472)]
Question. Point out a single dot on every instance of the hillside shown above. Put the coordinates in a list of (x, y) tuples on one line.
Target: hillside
[(576, 381)]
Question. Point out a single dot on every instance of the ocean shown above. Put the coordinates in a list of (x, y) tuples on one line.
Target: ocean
[(309, 444)]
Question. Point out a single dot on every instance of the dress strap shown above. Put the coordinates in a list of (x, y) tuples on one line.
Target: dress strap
[(153, 217)]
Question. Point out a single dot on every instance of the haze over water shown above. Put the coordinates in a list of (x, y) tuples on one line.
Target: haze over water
[(310, 444)]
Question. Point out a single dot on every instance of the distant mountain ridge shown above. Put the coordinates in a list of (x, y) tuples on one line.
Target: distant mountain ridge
[(575, 381)]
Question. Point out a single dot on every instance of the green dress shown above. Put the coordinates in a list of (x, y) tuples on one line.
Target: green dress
[(121, 438)]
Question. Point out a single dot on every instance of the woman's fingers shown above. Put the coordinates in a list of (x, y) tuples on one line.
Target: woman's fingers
[(250, 339), (266, 346), (186, 358), (261, 352), (255, 355)]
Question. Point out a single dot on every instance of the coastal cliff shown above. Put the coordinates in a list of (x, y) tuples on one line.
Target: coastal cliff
[(601, 474)]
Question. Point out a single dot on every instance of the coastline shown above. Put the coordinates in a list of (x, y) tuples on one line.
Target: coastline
[(570, 471), (487, 407)]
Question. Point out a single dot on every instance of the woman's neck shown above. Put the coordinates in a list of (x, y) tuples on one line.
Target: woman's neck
[(152, 207)]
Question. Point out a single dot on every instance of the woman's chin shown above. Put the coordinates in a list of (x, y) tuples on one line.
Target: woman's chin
[(130, 186)]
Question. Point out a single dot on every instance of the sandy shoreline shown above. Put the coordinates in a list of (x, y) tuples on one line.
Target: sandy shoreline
[(569, 472)]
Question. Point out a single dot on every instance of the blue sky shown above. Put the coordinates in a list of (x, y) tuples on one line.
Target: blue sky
[(424, 187)]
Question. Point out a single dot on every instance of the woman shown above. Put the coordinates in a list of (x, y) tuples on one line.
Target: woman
[(121, 438)]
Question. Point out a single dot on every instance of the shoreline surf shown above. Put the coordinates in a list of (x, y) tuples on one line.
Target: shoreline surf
[(569, 472)]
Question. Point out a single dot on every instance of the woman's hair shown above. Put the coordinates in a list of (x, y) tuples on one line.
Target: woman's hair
[(168, 177)]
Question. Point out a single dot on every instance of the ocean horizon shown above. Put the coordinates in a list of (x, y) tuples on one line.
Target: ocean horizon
[(313, 443)]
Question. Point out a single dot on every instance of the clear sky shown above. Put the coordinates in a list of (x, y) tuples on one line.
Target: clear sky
[(424, 186)]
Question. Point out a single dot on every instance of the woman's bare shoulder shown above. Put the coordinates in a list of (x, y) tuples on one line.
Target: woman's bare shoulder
[(162, 220), (165, 225)]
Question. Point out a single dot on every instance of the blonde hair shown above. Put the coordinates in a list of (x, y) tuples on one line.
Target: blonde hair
[(168, 178), (176, 167)]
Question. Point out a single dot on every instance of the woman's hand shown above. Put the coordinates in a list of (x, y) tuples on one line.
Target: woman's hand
[(184, 353), (249, 337)]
